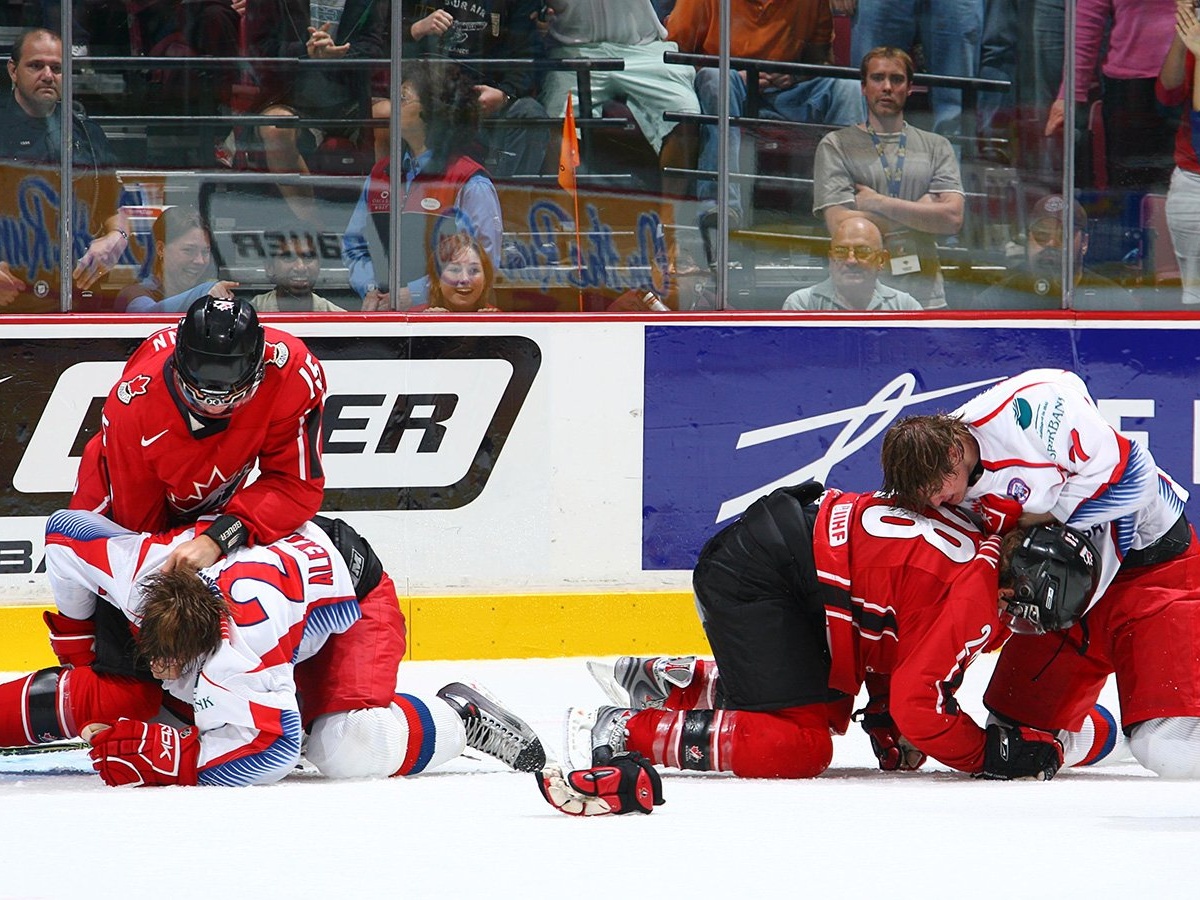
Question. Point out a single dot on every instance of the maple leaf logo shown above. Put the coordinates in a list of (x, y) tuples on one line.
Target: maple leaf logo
[(134, 387)]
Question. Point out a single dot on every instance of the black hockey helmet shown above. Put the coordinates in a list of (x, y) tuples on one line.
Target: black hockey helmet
[(1054, 574), (218, 357)]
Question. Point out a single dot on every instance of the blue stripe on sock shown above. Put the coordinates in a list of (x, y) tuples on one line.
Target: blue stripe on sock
[(418, 715)]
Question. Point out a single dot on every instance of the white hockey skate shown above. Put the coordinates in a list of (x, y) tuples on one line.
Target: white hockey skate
[(588, 729), (643, 682)]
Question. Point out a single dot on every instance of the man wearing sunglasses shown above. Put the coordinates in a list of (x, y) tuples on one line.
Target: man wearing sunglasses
[(1037, 284), (856, 256)]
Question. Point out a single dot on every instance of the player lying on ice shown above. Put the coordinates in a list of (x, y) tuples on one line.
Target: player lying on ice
[(237, 648), (809, 596)]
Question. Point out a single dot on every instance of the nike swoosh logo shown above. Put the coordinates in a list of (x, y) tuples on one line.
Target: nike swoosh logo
[(147, 441)]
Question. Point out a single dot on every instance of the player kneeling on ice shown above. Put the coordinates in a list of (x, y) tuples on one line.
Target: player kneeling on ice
[(813, 594), (239, 650)]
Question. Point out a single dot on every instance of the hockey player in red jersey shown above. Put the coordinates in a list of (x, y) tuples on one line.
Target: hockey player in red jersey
[(804, 599), (241, 647), (1035, 448), (198, 407)]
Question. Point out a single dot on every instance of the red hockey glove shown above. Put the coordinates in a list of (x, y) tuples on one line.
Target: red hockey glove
[(143, 753), (72, 640), (627, 783), (999, 512), (893, 750), (1020, 752)]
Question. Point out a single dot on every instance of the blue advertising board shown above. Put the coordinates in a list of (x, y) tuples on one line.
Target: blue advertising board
[(731, 412)]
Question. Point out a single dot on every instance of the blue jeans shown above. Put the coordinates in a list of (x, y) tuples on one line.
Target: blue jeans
[(827, 101), (950, 32)]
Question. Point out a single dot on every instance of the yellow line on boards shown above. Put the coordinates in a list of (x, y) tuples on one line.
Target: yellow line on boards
[(477, 627)]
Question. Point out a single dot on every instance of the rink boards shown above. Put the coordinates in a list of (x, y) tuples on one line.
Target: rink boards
[(540, 486)]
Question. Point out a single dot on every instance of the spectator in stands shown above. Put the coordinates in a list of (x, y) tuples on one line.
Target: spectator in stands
[(948, 30), (1177, 85), (180, 269), (460, 276), (629, 30), (29, 184), (1038, 284), (291, 30), (780, 31), (902, 178), (489, 29), (443, 189), (856, 256), (293, 269), (1136, 35)]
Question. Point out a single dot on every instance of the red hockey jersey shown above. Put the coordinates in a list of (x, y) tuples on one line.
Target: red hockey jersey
[(921, 606), (156, 465)]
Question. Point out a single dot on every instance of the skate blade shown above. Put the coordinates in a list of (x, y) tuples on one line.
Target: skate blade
[(577, 736), (605, 675)]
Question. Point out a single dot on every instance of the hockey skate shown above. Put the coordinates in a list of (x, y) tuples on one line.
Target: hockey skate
[(493, 730), (643, 682), (589, 730)]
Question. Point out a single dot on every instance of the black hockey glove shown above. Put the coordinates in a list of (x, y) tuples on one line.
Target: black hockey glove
[(893, 750), (1020, 752)]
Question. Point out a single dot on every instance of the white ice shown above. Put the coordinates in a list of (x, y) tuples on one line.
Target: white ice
[(475, 830)]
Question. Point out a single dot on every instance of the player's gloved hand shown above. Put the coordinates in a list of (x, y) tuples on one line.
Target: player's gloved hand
[(1020, 752), (626, 783), (143, 753), (72, 640), (893, 750), (999, 512)]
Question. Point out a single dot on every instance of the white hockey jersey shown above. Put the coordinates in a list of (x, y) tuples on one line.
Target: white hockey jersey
[(285, 598), (1043, 441)]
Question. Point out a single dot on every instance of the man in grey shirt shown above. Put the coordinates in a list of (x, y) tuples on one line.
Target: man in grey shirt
[(905, 180), (856, 256)]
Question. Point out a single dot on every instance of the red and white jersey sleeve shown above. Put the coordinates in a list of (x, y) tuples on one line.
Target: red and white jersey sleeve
[(285, 600), (922, 604), (1043, 441), (155, 465)]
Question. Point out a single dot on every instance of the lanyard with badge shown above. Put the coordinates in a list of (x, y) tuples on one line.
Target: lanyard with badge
[(894, 175)]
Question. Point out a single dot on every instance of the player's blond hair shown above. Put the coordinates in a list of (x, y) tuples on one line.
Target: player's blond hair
[(182, 615), (918, 453)]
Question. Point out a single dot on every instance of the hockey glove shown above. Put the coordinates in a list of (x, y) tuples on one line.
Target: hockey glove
[(893, 750), (142, 753), (1020, 752), (999, 512), (627, 783), (72, 640)]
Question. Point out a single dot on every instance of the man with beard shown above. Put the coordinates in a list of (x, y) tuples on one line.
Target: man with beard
[(856, 256), (1037, 284)]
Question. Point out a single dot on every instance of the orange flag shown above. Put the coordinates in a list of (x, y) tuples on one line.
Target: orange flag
[(568, 154)]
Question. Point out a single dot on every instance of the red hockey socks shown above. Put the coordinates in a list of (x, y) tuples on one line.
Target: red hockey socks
[(787, 743)]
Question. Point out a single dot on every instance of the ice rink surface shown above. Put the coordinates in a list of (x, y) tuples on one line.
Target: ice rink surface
[(474, 830)]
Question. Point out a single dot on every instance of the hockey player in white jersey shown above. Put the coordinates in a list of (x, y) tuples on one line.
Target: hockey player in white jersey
[(1034, 448), (230, 643)]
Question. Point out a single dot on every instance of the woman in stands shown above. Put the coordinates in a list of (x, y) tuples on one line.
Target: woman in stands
[(181, 268), (445, 189), (460, 276)]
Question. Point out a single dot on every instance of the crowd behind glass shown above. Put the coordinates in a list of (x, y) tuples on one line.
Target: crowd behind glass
[(250, 146)]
